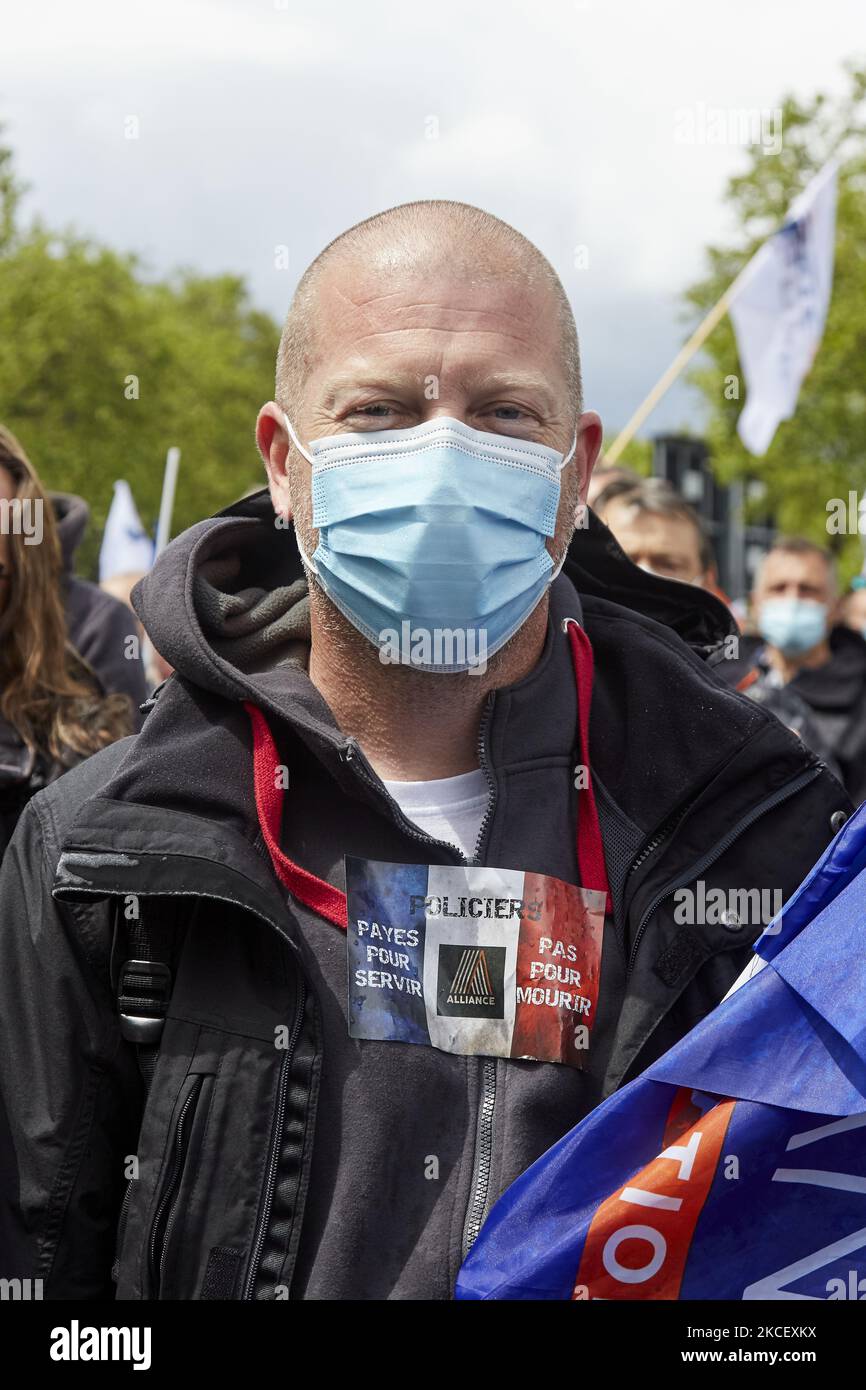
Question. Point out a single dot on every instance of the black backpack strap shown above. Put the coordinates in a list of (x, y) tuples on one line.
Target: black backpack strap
[(145, 950)]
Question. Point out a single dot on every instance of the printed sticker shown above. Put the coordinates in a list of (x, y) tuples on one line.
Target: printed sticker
[(473, 960)]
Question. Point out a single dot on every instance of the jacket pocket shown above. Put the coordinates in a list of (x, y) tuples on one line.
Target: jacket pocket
[(190, 1116)]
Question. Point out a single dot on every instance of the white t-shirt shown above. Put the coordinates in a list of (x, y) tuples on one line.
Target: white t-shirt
[(448, 808)]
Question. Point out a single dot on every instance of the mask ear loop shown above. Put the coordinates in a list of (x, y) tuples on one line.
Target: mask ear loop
[(302, 451), (570, 455), (299, 446), (554, 574)]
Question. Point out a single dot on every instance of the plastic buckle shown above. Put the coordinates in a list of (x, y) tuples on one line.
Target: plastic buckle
[(143, 992)]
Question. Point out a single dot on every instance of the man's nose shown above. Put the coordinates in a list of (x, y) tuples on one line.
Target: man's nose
[(452, 410)]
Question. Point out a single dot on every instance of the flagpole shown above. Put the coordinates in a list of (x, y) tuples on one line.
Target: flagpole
[(166, 504), (683, 357), (163, 528)]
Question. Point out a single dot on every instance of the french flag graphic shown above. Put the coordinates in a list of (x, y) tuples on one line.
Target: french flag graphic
[(473, 959)]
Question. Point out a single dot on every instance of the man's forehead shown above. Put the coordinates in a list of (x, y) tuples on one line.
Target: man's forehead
[(620, 515), (372, 330), (354, 295), (784, 564), (474, 372)]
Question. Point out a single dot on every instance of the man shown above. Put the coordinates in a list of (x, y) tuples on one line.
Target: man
[(801, 651), (180, 904), (658, 529)]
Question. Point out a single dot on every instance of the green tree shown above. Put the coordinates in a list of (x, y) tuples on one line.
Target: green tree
[(103, 368), (637, 455), (10, 196), (821, 452)]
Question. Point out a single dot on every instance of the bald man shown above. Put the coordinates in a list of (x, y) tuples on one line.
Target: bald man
[(302, 977)]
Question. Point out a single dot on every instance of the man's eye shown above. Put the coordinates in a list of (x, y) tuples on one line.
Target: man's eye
[(376, 411), (507, 412)]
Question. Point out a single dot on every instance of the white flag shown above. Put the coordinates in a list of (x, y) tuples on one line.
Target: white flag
[(781, 308), (126, 546)]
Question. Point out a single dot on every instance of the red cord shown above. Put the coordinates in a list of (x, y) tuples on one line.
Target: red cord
[(590, 850), (328, 901)]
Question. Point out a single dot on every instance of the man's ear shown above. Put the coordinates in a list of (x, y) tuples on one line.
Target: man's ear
[(273, 445), (589, 437)]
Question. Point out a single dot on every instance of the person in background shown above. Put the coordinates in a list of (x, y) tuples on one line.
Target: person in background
[(852, 606), (120, 586), (800, 650), (100, 626), (53, 712), (663, 534), (604, 475), (658, 530)]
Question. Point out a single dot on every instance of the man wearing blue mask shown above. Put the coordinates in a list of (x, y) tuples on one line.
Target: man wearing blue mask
[(802, 651), (388, 893)]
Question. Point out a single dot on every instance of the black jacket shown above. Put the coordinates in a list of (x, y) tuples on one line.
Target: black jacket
[(328, 1167), (834, 696)]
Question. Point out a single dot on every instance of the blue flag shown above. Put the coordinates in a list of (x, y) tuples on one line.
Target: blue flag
[(735, 1166)]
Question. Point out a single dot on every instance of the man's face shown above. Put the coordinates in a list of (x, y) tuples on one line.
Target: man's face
[(395, 348), (668, 545), (788, 575)]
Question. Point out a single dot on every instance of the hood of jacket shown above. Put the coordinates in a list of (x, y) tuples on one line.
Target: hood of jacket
[(72, 515)]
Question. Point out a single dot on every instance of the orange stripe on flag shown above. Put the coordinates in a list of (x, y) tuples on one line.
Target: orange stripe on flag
[(638, 1241)]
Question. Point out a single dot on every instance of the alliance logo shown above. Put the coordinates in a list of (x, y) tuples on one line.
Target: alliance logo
[(471, 981)]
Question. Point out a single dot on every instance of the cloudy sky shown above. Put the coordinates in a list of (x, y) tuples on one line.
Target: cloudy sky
[(269, 123)]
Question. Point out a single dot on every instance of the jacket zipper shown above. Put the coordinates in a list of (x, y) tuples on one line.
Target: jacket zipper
[(267, 1199), (480, 1189), (352, 753), (162, 1221), (663, 833), (121, 1230), (715, 853), (485, 768), (482, 1160), (479, 1192)]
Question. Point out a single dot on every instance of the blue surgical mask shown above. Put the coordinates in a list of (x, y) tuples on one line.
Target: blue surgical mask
[(440, 527), (794, 625)]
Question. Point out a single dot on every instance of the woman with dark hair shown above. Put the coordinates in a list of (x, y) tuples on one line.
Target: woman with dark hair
[(53, 712)]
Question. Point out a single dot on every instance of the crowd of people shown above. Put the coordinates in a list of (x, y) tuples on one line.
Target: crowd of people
[(803, 647)]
